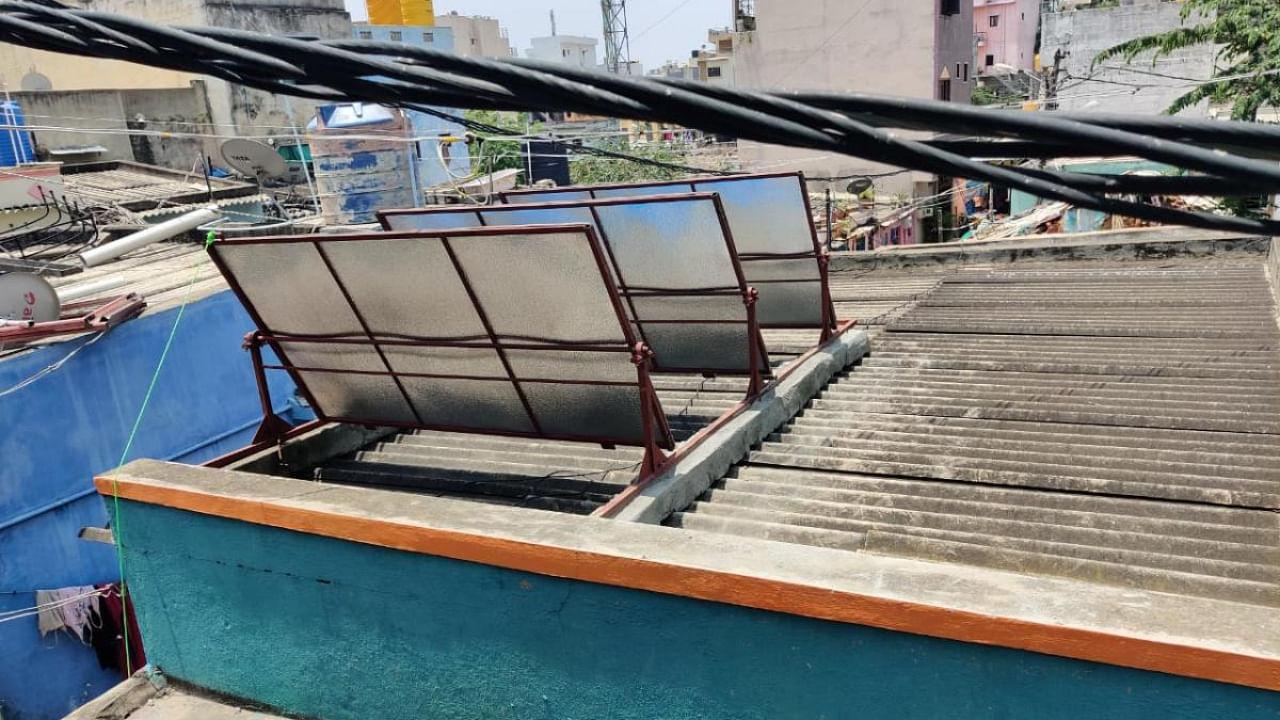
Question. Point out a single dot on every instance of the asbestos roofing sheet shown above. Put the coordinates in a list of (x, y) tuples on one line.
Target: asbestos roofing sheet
[(770, 222), (515, 330), (674, 262)]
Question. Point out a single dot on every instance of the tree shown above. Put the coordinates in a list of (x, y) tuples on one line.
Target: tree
[(591, 169), (491, 154), (1247, 71)]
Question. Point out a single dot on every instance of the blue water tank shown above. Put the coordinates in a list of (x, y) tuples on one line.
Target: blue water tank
[(15, 145)]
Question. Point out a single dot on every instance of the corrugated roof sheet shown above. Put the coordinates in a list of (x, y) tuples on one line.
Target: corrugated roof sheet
[(1110, 422)]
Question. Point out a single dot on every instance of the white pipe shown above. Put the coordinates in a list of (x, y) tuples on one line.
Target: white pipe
[(153, 234), (71, 293)]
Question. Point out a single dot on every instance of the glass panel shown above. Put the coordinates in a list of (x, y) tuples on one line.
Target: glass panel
[(578, 365), (476, 404), (547, 286), (713, 307), (290, 287), (669, 244), (798, 303), (792, 269), (641, 191), (508, 215), (333, 356), (766, 215), (405, 286), (359, 397), (612, 412), (433, 220), (699, 347), (480, 362), (548, 196)]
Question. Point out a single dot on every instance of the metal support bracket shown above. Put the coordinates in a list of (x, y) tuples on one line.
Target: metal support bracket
[(273, 427)]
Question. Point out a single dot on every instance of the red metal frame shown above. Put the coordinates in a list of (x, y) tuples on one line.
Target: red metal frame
[(656, 434), (106, 314), (828, 321), (632, 491), (756, 370)]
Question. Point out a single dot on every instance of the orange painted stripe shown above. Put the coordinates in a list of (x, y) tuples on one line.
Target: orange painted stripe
[(729, 588)]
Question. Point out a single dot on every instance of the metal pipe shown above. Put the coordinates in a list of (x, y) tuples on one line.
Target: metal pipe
[(90, 289), (153, 234)]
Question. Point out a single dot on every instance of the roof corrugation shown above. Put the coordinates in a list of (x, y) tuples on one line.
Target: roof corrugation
[(1116, 423)]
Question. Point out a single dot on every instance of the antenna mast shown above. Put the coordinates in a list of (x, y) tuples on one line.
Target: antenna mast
[(617, 46)]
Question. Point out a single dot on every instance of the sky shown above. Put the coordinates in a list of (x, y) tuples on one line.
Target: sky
[(660, 30)]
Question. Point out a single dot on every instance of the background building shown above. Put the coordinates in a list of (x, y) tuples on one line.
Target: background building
[(569, 49), (1138, 87), (476, 36), (912, 49), (1005, 33)]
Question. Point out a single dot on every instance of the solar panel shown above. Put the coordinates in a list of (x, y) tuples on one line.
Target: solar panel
[(513, 331), (772, 225), (676, 268)]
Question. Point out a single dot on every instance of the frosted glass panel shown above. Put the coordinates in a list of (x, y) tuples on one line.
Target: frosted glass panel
[(641, 190), (712, 348), (577, 365), (474, 404), (290, 287), (431, 220), (372, 398), (509, 215), (766, 215), (333, 356), (671, 245), (790, 304), (565, 302), (477, 362), (546, 196), (405, 286), (608, 411)]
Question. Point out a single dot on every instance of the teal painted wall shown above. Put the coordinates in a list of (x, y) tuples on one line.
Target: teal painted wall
[(1020, 202), (340, 630)]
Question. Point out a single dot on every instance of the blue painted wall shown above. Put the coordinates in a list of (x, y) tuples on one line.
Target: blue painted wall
[(341, 630), (1020, 202), (58, 432), (430, 171)]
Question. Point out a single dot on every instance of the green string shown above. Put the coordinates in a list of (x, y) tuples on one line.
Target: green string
[(118, 525)]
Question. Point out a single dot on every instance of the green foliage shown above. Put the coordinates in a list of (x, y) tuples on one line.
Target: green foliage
[(1248, 73), (491, 155), (983, 95), (589, 169)]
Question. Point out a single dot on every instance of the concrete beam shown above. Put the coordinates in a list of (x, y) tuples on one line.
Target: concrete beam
[(696, 472), (1112, 245)]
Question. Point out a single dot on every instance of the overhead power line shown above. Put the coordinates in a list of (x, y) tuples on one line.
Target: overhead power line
[(853, 124)]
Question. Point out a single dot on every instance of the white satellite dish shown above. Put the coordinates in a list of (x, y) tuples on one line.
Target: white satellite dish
[(25, 297), (254, 159)]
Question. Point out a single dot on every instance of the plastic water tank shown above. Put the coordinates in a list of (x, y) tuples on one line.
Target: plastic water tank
[(15, 145)]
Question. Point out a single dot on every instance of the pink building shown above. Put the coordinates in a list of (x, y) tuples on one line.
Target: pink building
[(1006, 33)]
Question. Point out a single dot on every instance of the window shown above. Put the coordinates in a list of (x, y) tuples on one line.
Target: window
[(990, 60), (993, 21), (950, 7), (473, 42), (965, 76), (962, 72), (366, 34), (944, 90), (564, 53), (396, 36), (713, 72), (428, 37)]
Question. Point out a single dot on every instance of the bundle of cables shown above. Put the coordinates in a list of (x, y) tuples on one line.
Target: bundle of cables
[(1217, 158)]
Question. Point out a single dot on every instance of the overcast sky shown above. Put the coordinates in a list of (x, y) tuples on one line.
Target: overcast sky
[(660, 30)]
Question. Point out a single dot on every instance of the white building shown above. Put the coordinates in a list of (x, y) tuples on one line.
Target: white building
[(570, 49)]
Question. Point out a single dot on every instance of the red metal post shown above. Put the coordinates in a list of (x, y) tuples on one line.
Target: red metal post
[(272, 428)]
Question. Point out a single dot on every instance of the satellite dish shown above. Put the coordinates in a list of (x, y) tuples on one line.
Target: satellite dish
[(859, 185), (254, 159), (25, 297)]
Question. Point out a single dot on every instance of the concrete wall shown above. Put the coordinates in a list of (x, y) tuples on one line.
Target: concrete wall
[(1083, 33), (341, 630), (886, 47), (476, 36), (56, 433), (253, 112), (173, 110)]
